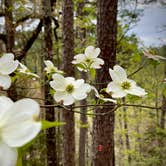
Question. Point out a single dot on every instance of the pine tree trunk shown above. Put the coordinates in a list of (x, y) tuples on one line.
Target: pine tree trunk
[(83, 131), (81, 35), (50, 115), (10, 34), (103, 126), (67, 53), (10, 31)]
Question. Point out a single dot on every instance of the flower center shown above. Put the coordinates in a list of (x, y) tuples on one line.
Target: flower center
[(52, 70), (126, 85), (88, 61), (70, 88)]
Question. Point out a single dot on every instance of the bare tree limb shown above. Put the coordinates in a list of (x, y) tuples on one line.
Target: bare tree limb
[(20, 55)]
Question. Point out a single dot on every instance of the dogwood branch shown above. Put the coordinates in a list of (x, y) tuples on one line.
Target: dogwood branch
[(115, 107)]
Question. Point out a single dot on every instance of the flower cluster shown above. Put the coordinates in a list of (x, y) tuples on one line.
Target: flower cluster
[(18, 120)]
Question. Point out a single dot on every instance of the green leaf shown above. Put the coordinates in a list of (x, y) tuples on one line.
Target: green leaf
[(47, 124), (136, 57)]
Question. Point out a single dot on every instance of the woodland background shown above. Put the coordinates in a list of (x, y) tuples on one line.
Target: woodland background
[(56, 30)]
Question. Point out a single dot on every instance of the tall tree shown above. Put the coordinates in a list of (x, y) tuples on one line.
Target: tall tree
[(103, 126), (50, 115), (67, 55), (10, 31), (81, 35)]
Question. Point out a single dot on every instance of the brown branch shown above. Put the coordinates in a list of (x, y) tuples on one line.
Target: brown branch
[(30, 42), (21, 20), (67, 108), (137, 70)]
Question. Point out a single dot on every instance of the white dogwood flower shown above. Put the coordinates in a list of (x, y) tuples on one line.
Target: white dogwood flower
[(68, 90), (7, 66), (120, 85), (23, 69), (89, 59), (18, 126), (50, 68)]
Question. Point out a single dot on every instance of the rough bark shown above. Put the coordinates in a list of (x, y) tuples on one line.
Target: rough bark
[(9, 37), (163, 111), (50, 133), (103, 126), (81, 35), (67, 55), (9, 26), (83, 132)]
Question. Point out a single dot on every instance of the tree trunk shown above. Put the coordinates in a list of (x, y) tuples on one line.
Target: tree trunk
[(127, 141), (50, 133), (103, 126), (67, 52), (10, 31), (163, 111), (83, 131), (81, 35)]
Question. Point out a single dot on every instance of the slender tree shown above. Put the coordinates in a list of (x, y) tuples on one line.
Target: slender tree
[(81, 35), (10, 31), (127, 140), (103, 126), (50, 115), (67, 56)]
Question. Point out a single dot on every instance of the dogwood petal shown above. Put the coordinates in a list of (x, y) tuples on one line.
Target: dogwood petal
[(5, 81), (97, 63), (20, 125), (79, 58), (81, 92), (7, 64), (58, 83), (78, 83), (8, 155), (118, 74), (59, 95), (112, 86), (66, 98), (70, 80), (48, 63), (119, 94), (92, 52), (136, 90), (5, 104), (116, 90)]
